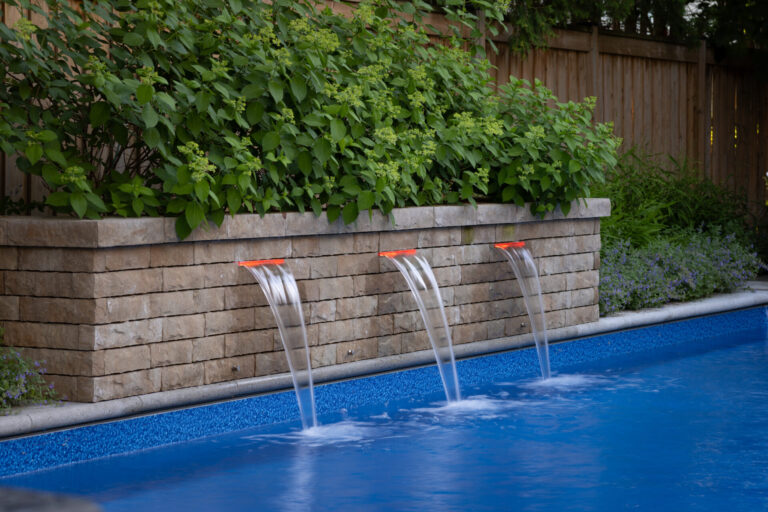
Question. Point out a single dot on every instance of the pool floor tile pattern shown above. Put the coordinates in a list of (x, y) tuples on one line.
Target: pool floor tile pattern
[(113, 438)]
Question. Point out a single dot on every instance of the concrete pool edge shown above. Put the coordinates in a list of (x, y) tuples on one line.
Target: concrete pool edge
[(37, 419)]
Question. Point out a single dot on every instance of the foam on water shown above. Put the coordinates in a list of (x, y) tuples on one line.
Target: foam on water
[(343, 432), (566, 382)]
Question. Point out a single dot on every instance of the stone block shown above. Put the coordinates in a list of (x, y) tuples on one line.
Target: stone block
[(459, 215), (226, 274), (596, 260), (485, 272), (50, 231), (449, 276), (554, 283), (359, 263), (357, 350), (496, 328), (127, 359), (578, 280), (468, 333), (264, 319), (325, 289), (311, 246), (507, 233), (171, 255), (565, 264), (582, 315), (2, 283), (333, 332), (373, 326), (439, 237), (124, 334), (414, 218), (49, 310), (136, 231), (555, 319), (470, 293), (372, 284), (478, 235), (49, 284), (270, 363), (183, 278), (128, 282), (415, 341), (263, 249), (366, 242), (186, 326), (324, 311), (300, 224), (398, 240), (555, 301), (211, 347), (390, 345), (234, 320), (125, 258), (323, 267), (9, 258), (322, 355), (43, 335), (356, 307), (214, 252), (248, 342), (504, 289), (406, 322), (10, 308), (170, 353), (60, 260), (444, 256), (126, 384), (518, 325), (65, 362), (182, 376), (244, 296), (584, 297), (172, 303), (208, 299), (231, 368), (399, 302), (256, 226), (497, 213), (121, 309)]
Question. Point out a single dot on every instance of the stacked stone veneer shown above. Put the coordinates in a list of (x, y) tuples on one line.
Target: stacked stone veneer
[(120, 307)]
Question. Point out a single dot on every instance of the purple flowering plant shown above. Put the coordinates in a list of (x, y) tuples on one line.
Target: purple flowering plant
[(21, 380)]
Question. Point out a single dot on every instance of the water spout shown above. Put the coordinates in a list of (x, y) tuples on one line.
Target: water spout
[(421, 280), (525, 271), (280, 288)]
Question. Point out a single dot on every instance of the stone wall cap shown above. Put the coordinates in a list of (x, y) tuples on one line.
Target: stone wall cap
[(69, 232)]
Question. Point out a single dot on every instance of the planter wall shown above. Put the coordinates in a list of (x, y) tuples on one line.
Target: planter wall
[(120, 307)]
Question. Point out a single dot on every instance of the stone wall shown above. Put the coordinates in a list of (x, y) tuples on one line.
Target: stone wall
[(120, 307)]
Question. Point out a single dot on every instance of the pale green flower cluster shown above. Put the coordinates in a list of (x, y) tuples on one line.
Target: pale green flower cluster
[(389, 170), (351, 96), (535, 132), (74, 175), (148, 75), (220, 67), (483, 174), (24, 29), (199, 165), (323, 39), (386, 134), (287, 116), (365, 13), (237, 104)]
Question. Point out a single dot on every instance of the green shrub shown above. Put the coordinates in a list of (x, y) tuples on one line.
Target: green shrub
[(203, 108), (676, 266), (21, 381)]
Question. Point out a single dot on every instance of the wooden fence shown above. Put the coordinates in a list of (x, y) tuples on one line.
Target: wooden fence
[(664, 98)]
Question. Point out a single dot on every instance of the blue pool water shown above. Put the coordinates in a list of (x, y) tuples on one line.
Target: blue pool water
[(671, 417)]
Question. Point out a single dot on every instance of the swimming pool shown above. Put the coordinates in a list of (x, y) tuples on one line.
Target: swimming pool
[(672, 416)]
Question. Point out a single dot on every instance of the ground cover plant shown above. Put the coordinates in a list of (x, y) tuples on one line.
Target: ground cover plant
[(21, 381), (672, 235), (198, 109)]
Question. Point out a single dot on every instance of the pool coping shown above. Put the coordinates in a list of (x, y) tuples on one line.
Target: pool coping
[(37, 419)]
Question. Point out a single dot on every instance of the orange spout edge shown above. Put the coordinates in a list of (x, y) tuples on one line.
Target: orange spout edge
[(256, 263), (507, 245), (403, 252)]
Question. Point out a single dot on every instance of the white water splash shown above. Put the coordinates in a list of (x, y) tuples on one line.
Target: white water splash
[(566, 382)]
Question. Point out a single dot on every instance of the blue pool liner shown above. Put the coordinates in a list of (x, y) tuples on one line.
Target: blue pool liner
[(117, 437)]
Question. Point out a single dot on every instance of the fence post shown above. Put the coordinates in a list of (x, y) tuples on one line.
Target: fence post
[(702, 108), (594, 62)]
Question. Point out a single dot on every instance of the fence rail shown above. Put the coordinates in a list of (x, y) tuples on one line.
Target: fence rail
[(665, 98)]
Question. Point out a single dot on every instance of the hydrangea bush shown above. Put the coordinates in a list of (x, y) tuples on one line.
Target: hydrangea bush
[(21, 381), (199, 109)]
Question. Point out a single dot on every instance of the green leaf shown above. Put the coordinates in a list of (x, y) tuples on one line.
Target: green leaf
[(315, 120), (254, 112), (201, 190), (322, 150), (55, 155), (338, 130), (59, 198), (182, 228), (251, 91), (217, 216), (194, 214), (152, 137), (565, 207), (270, 141), (304, 161), (79, 203), (137, 205), (298, 88), (276, 90), (574, 166), (349, 213), (99, 113), (144, 93), (333, 213), (47, 136), (133, 39), (34, 153), (149, 116), (234, 200), (365, 200)]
